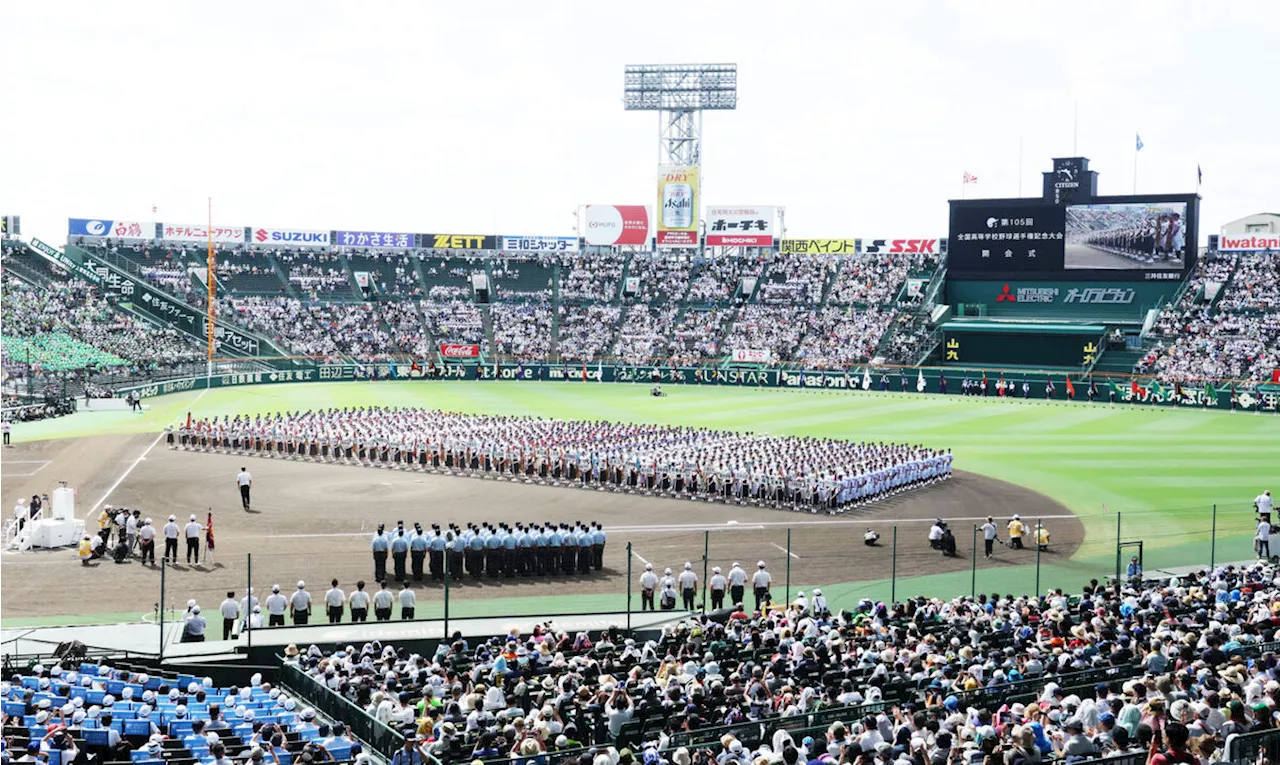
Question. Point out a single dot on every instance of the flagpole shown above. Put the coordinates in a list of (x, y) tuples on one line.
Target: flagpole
[(1020, 165), (1075, 127), (1135, 165), (212, 296)]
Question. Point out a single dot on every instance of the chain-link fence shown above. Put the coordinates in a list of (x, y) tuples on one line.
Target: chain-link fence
[(701, 568)]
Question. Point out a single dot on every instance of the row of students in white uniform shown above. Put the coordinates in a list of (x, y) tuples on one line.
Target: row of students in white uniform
[(299, 605), (667, 589)]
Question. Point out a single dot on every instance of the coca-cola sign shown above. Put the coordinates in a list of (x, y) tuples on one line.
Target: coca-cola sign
[(459, 351)]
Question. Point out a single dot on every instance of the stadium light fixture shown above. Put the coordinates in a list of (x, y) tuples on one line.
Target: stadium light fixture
[(680, 93)]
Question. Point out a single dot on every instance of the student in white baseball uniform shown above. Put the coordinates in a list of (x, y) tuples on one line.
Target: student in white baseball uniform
[(408, 602)]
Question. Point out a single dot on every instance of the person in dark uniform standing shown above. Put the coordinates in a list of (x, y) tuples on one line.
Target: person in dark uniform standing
[(380, 545), (399, 553), (436, 553), (418, 546)]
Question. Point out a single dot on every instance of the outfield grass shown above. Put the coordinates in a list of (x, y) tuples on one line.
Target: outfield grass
[(1161, 469)]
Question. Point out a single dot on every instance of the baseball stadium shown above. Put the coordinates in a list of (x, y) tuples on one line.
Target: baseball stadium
[(669, 484)]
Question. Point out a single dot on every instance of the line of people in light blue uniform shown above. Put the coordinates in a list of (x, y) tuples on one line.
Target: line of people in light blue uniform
[(499, 549)]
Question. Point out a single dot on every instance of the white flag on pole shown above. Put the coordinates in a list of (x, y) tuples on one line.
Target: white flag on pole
[(920, 381), (866, 378)]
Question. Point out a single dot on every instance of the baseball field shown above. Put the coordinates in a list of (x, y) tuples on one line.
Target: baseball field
[(1092, 474)]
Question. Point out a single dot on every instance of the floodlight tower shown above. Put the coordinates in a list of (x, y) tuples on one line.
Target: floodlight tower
[(680, 93)]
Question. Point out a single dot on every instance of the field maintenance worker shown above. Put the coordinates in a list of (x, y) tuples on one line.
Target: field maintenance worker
[(380, 545), (1017, 530), (648, 583), (1042, 537)]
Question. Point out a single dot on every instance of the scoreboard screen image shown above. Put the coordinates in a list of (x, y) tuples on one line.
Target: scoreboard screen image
[(1106, 239), (996, 344)]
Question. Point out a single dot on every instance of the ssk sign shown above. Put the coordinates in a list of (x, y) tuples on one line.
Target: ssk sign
[(459, 351), (901, 246), (290, 236)]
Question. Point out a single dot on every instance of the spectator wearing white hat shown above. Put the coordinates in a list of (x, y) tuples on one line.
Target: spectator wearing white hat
[(193, 632)]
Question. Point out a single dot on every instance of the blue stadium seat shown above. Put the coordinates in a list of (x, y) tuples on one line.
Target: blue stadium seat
[(137, 727), (96, 737), (14, 708)]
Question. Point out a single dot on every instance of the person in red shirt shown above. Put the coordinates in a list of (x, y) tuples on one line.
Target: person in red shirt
[(1176, 751)]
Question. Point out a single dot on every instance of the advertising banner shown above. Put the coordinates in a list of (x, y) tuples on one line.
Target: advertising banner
[(1248, 242), (390, 239), (678, 206), (916, 286), (606, 225), (752, 355), (459, 351), (459, 242), (61, 258), (818, 246), (362, 279), (742, 226), (115, 229), (919, 245), (175, 232), (294, 237), (539, 244)]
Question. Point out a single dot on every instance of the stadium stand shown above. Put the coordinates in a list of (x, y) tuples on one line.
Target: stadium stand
[(973, 679), (1235, 335)]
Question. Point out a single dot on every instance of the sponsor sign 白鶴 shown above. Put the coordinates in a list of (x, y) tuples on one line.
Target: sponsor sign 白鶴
[(115, 229)]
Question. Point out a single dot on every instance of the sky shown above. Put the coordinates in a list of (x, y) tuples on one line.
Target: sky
[(860, 118)]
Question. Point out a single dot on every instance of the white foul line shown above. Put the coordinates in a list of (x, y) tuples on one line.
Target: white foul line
[(780, 548), (642, 560), (140, 458)]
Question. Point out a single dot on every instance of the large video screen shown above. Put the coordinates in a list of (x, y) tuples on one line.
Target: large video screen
[(1140, 235), (1109, 239)]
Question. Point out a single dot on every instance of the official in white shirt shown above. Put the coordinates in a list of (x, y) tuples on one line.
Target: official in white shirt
[(988, 536), (147, 542), (1263, 503), (760, 582), (382, 600), (245, 482), (408, 602), (276, 605), (1264, 539), (648, 586), (359, 603), (334, 600), (230, 612), (688, 586), (300, 604), (171, 532), (192, 531), (718, 585), (247, 605), (737, 584)]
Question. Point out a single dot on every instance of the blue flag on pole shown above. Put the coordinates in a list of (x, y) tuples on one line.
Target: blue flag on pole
[(1138, 142)]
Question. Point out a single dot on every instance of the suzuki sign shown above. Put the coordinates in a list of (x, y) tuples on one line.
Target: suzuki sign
[(289, 236)]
